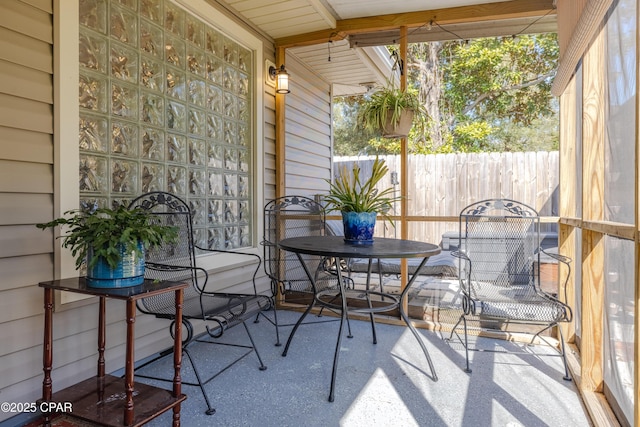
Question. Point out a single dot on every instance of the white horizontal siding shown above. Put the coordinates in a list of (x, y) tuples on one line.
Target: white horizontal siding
[(23, 208), (24, 18), (18, 272), (25, 113), (20, 81), (308, 131), (20, 302), (269, 144), (25, 177), (24, 50), (26, 145)]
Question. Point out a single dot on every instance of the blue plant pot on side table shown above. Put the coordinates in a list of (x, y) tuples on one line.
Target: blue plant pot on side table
[(129, 272)]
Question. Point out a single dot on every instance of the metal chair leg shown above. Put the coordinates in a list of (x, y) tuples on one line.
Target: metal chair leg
[(466, 343), (253, 344), (453, 330), (275, 318), (563, 353), (210, 410)]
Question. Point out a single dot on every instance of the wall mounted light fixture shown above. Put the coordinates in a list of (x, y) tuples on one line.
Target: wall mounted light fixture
[(281, 77)]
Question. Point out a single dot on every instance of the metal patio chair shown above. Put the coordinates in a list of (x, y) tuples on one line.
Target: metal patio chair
[(499, 260), (177, 262), (294, 216)]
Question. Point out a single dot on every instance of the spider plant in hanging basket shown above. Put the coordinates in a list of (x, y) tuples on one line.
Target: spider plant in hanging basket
[(392, 112)]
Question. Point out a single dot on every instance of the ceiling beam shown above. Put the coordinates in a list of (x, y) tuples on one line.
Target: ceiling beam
[(454, 15), (510, 27), (326, 15)]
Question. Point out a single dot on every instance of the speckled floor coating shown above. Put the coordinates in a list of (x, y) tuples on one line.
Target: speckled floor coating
[(387, 384)]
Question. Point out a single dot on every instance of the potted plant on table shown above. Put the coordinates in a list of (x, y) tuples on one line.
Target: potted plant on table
[(391, 112), (360, 201), (112, 242)]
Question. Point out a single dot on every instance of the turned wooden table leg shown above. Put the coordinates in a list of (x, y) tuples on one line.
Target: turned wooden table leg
[(101, 337), (177, 356), (47, 352), (131, 318), (102, 333)]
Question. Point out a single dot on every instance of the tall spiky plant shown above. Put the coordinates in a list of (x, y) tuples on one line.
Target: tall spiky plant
[(349, 193)]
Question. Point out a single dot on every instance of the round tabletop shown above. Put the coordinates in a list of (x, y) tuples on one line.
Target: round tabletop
[(381, 247)]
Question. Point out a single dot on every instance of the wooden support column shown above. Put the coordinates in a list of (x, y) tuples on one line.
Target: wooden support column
[(404, 170), (280, 132), (567, 241), (280, 153), (591, 355), (593, 137)]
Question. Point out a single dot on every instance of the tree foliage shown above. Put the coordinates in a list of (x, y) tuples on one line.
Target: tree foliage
[(489, 94), (349, 137)]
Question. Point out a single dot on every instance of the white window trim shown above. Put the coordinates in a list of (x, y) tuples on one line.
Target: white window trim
[(66, 122)]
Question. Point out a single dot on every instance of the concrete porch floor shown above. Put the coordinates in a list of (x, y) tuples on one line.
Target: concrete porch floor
[(379, 385), (386, 384)]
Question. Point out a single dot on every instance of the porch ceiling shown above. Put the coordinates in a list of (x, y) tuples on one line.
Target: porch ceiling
[(343, 40)]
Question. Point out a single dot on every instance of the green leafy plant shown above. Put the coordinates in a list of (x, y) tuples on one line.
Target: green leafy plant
[(390, 101), (105, 230), (349, 193)]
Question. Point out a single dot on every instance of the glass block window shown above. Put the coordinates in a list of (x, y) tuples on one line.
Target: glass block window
[(165, 104)]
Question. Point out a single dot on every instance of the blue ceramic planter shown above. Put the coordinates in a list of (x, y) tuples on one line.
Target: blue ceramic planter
[(130, 271), (359, 227)]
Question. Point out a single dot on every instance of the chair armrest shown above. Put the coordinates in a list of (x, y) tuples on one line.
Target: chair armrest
[(566, 261), (563, 259), (166, 267), (465, 282), (267, 243), (466, 259), (460, 254)]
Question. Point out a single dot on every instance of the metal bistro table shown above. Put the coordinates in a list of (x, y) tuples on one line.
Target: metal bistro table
[(336, 247)]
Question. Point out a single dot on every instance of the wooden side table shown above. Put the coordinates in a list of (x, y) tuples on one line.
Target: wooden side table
[(108, 400)]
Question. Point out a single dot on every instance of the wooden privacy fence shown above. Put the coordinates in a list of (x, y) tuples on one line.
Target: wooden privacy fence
[(441, 185)]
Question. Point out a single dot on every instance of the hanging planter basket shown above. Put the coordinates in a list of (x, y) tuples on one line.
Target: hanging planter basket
[(401, 128)]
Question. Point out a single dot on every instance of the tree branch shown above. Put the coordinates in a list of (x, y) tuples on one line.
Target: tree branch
[(520, 86)]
